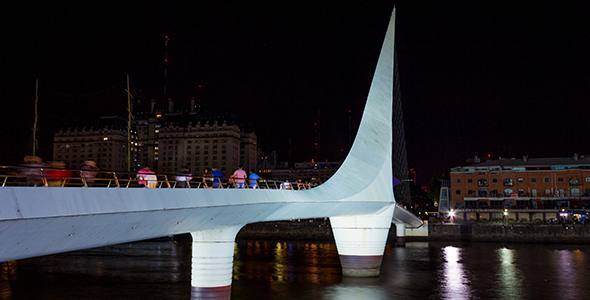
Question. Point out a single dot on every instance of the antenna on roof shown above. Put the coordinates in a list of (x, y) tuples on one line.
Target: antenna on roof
[(166, 67), (36, 117)]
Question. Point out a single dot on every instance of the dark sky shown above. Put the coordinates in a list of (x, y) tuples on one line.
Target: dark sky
[(505, 78)]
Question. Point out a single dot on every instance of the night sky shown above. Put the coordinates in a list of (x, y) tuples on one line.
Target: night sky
[(504, 78)]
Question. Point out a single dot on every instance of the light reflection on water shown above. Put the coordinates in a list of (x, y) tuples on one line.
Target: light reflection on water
[(509, 278), (307, 270), (572, 265), (454, 281)]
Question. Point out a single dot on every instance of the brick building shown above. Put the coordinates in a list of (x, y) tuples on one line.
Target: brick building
[(538, 183)]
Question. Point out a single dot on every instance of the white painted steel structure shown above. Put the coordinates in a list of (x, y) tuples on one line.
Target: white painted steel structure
[(44, 220)]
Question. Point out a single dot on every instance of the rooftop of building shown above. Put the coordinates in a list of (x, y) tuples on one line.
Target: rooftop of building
[(166, 115), (527, 163), (102, 123)]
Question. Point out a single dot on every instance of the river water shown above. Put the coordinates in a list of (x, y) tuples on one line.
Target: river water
[(160, 269)]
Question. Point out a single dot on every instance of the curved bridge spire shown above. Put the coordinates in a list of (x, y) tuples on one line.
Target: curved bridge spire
[(367, 170)]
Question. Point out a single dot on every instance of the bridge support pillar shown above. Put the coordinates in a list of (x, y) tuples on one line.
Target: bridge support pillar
[(400, 234), (212, 262), (360, 241)]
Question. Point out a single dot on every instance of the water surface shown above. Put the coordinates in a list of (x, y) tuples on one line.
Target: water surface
[(160, 269)]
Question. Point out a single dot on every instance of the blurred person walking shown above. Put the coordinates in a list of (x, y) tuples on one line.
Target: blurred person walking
[(183, 177), (217, 178), (147, 177), (240, 177), (88, 172), (253, 179)]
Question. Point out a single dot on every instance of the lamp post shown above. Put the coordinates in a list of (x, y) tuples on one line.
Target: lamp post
[(506, 215)]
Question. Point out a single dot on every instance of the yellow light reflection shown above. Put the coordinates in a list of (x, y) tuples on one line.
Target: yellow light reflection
[(7, 271), (509, 276)]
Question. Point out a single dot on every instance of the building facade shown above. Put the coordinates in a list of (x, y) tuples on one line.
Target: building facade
[(308, 172), (103, 141), (164, 139), (543, 183)]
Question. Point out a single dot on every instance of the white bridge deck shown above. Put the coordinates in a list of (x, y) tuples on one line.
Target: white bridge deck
[(45, 220)]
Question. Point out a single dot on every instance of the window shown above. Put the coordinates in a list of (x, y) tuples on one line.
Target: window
[(459, 180), (547, 179), (533, 179), (469, 181), (520, 180), (494, 180), (508, 182), (559, 179), (575, 192), (482, 182), (458, 192)]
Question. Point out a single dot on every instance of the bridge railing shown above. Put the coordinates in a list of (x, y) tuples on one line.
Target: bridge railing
[(53, 177)]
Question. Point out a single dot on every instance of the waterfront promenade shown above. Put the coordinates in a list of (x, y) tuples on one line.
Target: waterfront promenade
[(321, 230)]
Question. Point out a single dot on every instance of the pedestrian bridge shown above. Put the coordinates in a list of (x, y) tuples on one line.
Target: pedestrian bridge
[(358, 199), (40, 220)]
